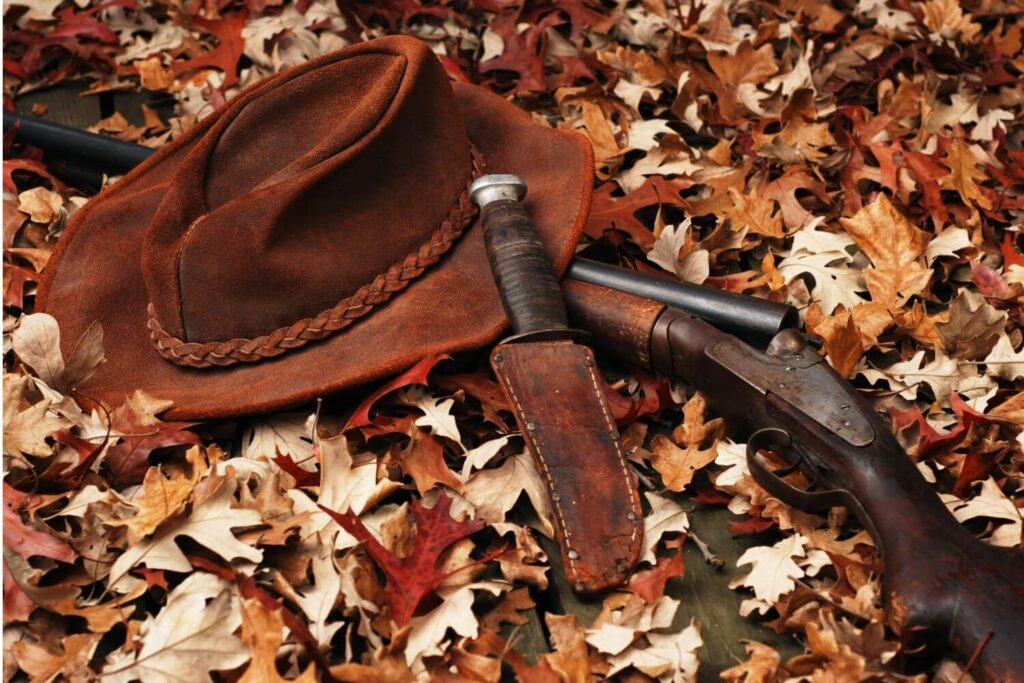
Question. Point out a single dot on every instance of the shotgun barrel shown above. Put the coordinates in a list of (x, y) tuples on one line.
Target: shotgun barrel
[(752, 319), (755, 320), (99, 150)]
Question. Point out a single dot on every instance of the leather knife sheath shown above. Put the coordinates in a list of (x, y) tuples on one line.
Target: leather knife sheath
[(552, 382), (569, 430)]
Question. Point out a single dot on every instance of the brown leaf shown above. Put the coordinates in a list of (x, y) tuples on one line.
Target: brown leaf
[(263, 633), (756, 214), (894, 247), (761, 665), (423, 460), (964, 174), (972, 328), (72, 664)]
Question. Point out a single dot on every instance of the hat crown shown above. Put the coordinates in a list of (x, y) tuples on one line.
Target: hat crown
[(303, 193)]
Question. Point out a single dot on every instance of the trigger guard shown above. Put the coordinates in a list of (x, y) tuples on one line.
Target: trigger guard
[(780, 441)]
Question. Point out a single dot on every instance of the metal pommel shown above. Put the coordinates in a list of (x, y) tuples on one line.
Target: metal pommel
[(496, 186)]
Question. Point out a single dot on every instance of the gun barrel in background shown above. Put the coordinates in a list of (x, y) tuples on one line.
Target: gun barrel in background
[(62, 141), (754, 320)]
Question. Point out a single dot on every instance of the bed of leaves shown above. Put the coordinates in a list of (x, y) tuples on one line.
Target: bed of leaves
[(858, 158)]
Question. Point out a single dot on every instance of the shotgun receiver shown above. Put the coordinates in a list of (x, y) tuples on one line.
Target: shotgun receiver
[(942, 586)]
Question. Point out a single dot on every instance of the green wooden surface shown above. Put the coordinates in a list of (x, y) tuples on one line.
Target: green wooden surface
[(703, 590)]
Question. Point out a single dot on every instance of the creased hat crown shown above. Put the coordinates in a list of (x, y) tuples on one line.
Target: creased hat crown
[(332, 185)]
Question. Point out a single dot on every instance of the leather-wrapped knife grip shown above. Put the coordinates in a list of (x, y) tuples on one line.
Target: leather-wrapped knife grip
[(522, 270), (558, 400)]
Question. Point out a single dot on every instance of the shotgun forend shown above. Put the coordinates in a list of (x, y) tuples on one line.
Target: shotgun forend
[(942, 586)]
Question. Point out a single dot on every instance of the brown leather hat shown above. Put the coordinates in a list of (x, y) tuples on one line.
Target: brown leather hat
[(313, 235)]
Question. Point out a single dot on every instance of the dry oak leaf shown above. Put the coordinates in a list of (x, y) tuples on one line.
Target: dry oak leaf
[(964, 175), (666, 516), (411, 578), (209, 525), (972, 328), (37, 344), (946, 20), (161, 497), (754, 213), (667, 656), (761, 665), (263, 633), (894, 247), (1004, 362), (569, 660), (184, 642), (427, 633), (773, 570), (26, 429), (42, 205), (423, 460), (494, 491), (678, 465), (43, 666)]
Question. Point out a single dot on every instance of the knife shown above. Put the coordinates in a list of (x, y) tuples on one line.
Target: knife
[(551, 381)]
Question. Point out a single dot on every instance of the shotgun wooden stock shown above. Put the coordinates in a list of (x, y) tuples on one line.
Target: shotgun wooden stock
[(942, 586)]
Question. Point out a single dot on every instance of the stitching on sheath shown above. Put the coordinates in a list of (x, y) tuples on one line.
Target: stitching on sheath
[(395, 279), (547, 472), (633, 496)]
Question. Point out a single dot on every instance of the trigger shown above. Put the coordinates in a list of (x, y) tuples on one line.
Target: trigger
[(779, 441)]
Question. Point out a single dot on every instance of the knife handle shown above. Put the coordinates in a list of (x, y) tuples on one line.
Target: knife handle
[(522, 270)]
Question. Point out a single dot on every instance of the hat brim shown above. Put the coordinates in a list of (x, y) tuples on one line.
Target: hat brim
[(95, 275)]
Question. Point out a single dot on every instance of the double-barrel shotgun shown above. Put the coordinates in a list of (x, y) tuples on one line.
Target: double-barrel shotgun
[(942, 586)]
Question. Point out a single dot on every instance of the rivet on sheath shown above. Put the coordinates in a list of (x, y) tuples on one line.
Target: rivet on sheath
[(531, 427), (573, 555), (555, 497), (622, 567), (589, 363), (578, 587), (614, 436), (498, 358), (631, 516)]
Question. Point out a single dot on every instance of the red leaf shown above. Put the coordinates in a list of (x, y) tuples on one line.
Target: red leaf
[(80, 26), (143, 434), (753, 524), (932, 442), (12, 165), (650, 584), (155, 578), (25, 540), (17, 605), (977, 466), (412, 578), (15, 280), (417, 374), (302, 477), (1011, 257), (230, 47), (608, 211), (524, 52)]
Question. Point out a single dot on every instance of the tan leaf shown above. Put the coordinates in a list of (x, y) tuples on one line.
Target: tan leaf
[(678, 465), (964, 175), (569, 660), (209, 525), (185, 641), (894, 247), (745, 65), (263, 633), (43, 666), (495, 491), (972, 328), (153, 75), (774, 570), (42, 205), (760, 667), (161, 497), (423, 460), (756, 214), (946, 19)]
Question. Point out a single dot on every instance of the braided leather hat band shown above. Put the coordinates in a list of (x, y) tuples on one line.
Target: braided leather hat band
[(385, 285)]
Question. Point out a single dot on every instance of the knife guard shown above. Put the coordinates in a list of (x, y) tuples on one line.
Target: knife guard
[(575, 445)]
